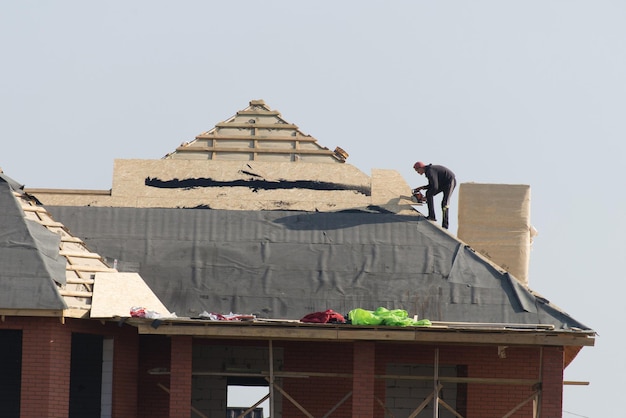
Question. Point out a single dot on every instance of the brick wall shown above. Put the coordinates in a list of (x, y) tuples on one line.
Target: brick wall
[(46, 349), (180, 378), (46, 359), (154, 353)]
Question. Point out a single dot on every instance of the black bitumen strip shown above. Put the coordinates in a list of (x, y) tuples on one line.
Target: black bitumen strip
[(255, 185)]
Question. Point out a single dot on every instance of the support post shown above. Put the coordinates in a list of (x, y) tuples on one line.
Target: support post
[(271, 352), (436, 385), (180, 376), (363, 379)]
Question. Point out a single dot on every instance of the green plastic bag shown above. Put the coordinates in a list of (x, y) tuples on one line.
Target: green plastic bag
[(360, 316), (384, 316)]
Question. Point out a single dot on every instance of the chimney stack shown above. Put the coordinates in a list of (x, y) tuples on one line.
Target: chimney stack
[(494, 219)]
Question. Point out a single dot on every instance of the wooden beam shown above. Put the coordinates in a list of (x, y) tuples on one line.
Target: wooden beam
[(78, 254), (69, 238), (76, 293), (575, 383), (98, 269), (76, 280), (245, 125), (301, 138), (31, 312), (256, 150), (68, 191), (251, 330), (293, 401), (196, 410), (258, 112)]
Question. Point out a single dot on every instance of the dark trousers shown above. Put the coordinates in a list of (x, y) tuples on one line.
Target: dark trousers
[(445, 203)]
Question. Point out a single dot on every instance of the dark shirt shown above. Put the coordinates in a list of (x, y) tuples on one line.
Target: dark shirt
[(439, 178)]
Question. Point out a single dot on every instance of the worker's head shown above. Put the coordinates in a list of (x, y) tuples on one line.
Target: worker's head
[(419, 167)]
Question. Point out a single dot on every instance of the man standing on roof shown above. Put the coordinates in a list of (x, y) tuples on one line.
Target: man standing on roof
[(440, 180)]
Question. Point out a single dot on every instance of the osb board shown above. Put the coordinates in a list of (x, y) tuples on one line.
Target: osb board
[(114, 294), (388, 188), (495, 220)]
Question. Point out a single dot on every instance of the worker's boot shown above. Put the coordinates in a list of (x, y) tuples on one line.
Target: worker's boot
[(444, 223)]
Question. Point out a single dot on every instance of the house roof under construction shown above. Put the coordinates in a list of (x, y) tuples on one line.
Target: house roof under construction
[(255, 217), (285, 264)]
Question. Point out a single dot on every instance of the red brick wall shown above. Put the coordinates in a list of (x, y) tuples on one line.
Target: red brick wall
[(363, 379), (46, 348), (46, 365), (154, 353), (319, 395), (46, 358), (552, 383), (180, 379), (125, 373)]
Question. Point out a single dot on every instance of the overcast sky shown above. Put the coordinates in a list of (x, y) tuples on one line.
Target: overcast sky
[(509, 92)]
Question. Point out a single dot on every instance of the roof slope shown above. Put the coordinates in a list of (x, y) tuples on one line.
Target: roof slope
[(29, 258), (42, 266), (285, 264)]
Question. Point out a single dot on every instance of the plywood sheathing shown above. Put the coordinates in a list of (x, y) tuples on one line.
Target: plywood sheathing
[(232, 185), (390, 191), (116, 293), (494, 219), (237, 185)]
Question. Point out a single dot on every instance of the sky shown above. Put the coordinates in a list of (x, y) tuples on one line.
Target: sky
[(505, 92)]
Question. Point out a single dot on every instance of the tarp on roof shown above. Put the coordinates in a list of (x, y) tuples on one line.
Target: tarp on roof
[(29, 258), (284, 264)]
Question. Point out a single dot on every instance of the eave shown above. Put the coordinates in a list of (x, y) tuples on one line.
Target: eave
[(436, 334)]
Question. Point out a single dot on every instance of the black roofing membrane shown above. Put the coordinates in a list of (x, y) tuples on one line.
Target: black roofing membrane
[(286, 264)]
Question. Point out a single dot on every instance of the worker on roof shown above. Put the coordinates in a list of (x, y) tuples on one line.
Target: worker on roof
[(440, 180)]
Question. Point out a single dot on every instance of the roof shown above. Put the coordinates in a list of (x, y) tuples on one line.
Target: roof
[(240, 220), (285, 264), (257, 133), (44, 270)]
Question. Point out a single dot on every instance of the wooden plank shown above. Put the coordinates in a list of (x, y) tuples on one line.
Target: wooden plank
[(478, 380), (38, 209), (425, 402), (31, 312), (69, 238), (76, 313), (338, 404), (575, 383), (36, 191), (518, 406), (254, 330), (493, 325), (95, 269), (259, 402), (449, 408), (258, 112), (245, 125), (75, 293), (256, 150), (79, 254), (196, 410), (77, 280), (301, 138), (292, 400)]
